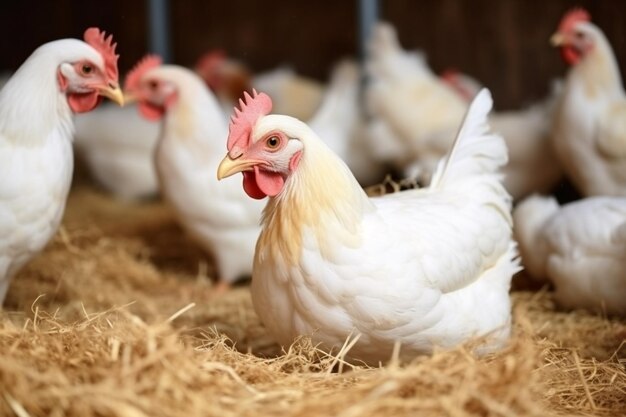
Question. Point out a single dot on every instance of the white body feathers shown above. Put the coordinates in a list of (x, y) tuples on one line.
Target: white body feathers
[(118, 146), (425, 268), (580, 247), (590, 138), (220, 217), (36, 159)]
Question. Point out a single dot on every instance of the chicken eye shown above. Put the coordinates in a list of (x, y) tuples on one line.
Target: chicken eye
[(86, 69), (579, 35), (153, 85), (273, 142)]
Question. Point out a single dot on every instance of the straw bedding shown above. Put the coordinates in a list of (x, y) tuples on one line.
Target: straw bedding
[(117, 318)]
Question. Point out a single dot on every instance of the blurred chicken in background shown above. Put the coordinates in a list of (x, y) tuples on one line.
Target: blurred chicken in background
[(415, 115), (117, 146), (292, 93), (580, 247), (590, 135), (193, 126)]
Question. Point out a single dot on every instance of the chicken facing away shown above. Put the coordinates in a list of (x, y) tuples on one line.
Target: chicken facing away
[(590, 135), (218, 216), (415, 114), (580, 247), (425, 268), (533, 166), (36, 105)]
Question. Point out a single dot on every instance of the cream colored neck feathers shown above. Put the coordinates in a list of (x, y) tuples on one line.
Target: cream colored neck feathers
[(321, 193)]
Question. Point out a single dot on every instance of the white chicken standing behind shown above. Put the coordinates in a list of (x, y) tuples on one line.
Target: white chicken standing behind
[(415, 114), (533, 166), (36, 163), (580, 247), (117, 145), (590, 135), (218, 216), (427, 268)]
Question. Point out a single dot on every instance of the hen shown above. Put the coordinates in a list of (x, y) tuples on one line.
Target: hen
[(425, 268), (580, 247), (590, 137), (533, 166), (220, 218), (415, 114), (36, 105)]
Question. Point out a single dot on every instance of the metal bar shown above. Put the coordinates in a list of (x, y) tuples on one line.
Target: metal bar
[(368, 16), (159, 28)]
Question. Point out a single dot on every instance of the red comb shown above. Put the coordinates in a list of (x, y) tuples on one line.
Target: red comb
[(144, 65), (573, 17), (97, 40), (210, 59), (450, 75), (251, 107)]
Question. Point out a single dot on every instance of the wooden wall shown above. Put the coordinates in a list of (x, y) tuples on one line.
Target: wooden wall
[(504, 43)]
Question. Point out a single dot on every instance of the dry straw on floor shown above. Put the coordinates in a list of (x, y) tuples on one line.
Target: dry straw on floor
[(117, 318)]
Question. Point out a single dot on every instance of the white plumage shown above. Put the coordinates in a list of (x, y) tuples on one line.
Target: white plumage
[(36, 159), (429, 267), (118, 146), (414, 113), (580, 247), (590, 138), (219, 217)]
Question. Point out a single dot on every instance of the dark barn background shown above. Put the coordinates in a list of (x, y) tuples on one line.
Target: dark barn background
[(504, 43)]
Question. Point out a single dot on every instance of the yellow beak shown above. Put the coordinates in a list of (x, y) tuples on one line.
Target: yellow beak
[(113, 92), (230, 166), (557, 39)]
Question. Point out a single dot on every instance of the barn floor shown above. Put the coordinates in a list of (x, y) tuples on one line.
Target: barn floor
[(117, 318)]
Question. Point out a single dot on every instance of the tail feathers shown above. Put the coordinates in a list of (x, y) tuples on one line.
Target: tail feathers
[(529, 219), (475, 152)]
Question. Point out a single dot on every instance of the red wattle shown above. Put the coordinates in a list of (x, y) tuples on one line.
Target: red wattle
[(84, 102), (570, 55), (259, 184), (150, 111), (250, 186)]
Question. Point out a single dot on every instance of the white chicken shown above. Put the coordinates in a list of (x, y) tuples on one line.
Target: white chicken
[(36, 162), (117, 146), (414, 112), (590, 135), (580, 247), (533, 167), (218, 216), (424, 268)]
